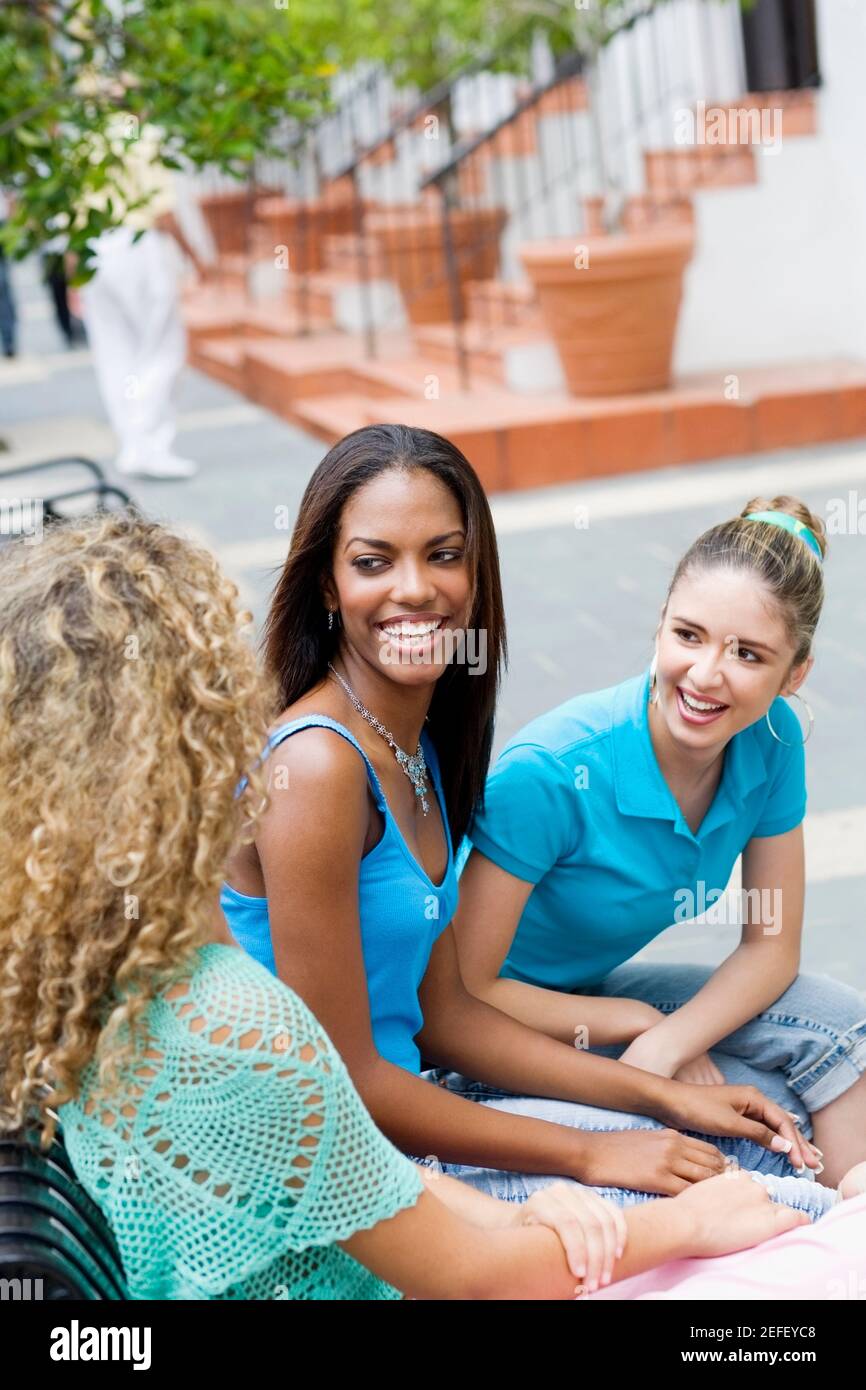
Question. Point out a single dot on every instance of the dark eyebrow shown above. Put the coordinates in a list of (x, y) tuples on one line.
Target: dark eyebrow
[(386, 545), (741, 641)]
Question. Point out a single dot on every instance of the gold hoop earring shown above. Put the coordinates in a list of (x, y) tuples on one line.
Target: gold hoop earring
[(808, 709)]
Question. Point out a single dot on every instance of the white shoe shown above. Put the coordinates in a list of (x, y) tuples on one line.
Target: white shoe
[(157, 466)]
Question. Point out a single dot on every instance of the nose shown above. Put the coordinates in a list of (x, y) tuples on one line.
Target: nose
[(707, 670), (412, 584)]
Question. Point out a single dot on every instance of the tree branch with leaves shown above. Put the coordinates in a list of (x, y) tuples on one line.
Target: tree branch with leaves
[(217, 80)]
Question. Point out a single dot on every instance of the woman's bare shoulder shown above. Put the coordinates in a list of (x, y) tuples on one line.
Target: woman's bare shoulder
[(316, 754)]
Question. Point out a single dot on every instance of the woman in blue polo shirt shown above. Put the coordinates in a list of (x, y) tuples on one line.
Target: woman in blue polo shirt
[(623, 811)]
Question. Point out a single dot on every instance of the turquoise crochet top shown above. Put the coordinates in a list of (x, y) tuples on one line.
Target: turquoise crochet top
[(238, 1152)]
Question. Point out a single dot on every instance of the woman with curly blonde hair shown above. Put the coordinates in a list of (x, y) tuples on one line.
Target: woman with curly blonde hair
[(201, 1104)]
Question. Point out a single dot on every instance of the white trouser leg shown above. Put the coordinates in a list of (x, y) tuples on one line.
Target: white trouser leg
[(139, 346), (162, 345), (112, 333)]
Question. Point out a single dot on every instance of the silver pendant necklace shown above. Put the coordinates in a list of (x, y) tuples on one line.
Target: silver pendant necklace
[(412, 764)]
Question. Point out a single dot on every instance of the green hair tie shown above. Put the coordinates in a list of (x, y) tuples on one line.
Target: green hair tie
[(789, 523)]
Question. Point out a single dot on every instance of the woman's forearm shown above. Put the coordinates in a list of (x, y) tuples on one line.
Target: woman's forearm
[(482, 1042), (423, 1119), (529, 1262), (751, 978), (579, 1019), (482, 1210)]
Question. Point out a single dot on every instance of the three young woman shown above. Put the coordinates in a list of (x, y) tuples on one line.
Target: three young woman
[(376, 761), (202, 1104)]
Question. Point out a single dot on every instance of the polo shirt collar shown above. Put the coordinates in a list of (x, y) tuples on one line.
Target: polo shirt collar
[(640, 788)]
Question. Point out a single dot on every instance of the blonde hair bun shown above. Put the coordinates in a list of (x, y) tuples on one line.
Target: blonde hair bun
[(795, 508)]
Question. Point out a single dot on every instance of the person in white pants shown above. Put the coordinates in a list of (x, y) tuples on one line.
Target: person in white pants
[(139, 347), (132, 314)]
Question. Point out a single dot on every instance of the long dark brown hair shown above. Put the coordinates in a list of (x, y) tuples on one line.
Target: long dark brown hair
[(297, 642)]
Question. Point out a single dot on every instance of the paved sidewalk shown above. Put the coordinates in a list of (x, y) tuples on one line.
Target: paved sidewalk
[(582, 599)]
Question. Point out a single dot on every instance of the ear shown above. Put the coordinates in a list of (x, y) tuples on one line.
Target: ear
[(328, 592), (796, 676)]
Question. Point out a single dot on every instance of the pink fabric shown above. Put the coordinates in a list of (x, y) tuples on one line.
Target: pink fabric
[(826, 1260)]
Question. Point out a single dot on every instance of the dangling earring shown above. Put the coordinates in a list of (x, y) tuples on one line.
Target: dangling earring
[(654, 692), (805, 703), (330, 619)]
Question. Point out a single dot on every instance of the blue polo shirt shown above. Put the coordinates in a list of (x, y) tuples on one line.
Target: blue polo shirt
[(577, 805)]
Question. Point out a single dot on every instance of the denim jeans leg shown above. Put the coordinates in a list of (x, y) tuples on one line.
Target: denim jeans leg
[(811, 1041), (804, 1193)]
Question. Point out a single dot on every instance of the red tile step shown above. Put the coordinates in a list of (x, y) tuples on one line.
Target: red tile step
[(399, 370), (505, 302), (344, 252), (329, 418), (682, 171), (230, 271), (485, 344), (325, 383), (797, 115), (281, 318), (532, 441), (280, 372), (318, 290), (211, 312), (570, 95), (518, 136), (222, 359)]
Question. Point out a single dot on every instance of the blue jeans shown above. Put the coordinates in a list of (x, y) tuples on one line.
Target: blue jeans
[(804, 1051), (809, 1046)]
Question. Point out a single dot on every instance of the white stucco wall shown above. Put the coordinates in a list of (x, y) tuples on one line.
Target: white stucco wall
[(780, 269)]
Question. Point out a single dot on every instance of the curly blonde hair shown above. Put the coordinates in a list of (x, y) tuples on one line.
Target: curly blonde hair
[(130, 708)]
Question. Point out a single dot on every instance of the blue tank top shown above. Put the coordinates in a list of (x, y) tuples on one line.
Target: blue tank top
[(402, 912)]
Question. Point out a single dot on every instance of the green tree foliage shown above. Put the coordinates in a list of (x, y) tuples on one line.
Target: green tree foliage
[(79, 79)]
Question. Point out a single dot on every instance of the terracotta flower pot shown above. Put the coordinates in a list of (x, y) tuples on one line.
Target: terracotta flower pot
[(613, 317), (301, 225), (228, 216), (413, 247)]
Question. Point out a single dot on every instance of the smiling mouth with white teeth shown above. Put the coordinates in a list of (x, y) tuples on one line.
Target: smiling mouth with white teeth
[(414, 633), (698, 711), (702, 705)]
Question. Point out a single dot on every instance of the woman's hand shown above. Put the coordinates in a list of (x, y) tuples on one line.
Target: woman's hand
[(734, 1212), (741, 1112), (593, 1231), (647, 1160)]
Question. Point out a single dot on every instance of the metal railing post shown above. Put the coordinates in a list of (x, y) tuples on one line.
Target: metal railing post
[(454, 292)]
